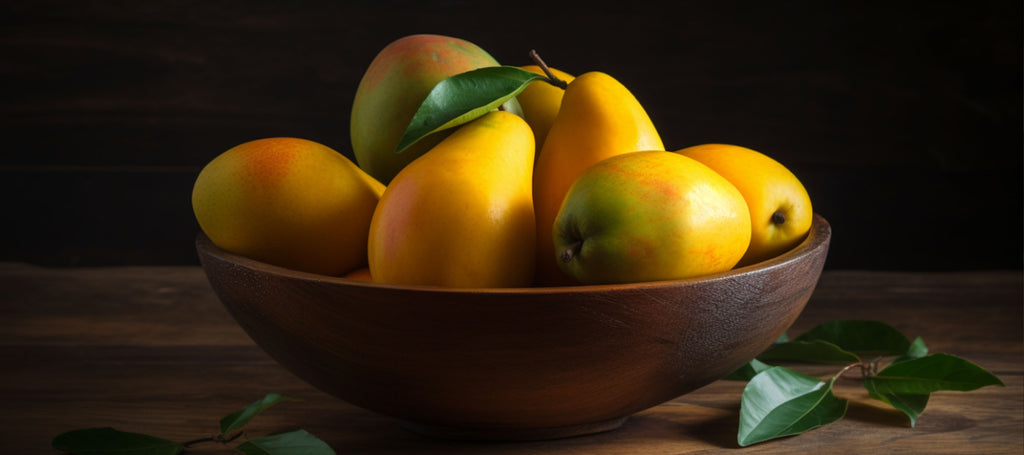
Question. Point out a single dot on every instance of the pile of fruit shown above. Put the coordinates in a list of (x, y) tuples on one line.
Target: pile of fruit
[(565, 182)]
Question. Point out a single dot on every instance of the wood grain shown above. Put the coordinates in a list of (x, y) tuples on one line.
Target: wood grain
[(151, 349)]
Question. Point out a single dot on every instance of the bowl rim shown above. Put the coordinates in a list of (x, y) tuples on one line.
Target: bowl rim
[(819, 234)]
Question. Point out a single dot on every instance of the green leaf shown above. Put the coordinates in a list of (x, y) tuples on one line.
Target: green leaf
[(907, 384), (916, 350), (298, 442), (931, 374), (782, 338), (781, 402), (748, 371), (861, 337), (817, 351), (240, 418), (464, 97), (108, 441), (911, 404)]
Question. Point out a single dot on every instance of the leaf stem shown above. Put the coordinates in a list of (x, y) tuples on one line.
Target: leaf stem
[(873, 367), (552, 79), (866, 368)]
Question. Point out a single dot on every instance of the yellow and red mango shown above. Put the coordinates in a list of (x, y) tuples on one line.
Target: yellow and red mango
[(397, 81), (290, 202)]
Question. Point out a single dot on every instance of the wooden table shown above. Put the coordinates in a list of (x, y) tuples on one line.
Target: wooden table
[(150, 349)]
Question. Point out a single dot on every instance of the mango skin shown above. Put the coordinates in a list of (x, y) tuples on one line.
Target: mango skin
[(769, 188), (599, 118), (360, 274), (647, 216), (392, 89), (462, 214), (289, 202), (541, 101)]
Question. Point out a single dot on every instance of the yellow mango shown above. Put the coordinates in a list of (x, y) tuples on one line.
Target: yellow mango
[(780, 208), (540, 102), (461, 215), (599, 118), (289, 202)]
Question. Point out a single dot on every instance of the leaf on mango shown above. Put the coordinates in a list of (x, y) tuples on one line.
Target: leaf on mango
[(465, 97), (239, 419), (104, 441), (780, 402), (298, 442)]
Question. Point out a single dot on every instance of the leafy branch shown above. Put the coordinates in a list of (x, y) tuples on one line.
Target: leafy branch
[(100, 441), (779, 402)]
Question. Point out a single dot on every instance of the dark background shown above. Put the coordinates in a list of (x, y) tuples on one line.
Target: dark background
[(903, 119)]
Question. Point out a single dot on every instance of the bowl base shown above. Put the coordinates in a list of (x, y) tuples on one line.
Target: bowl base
[(512, 434)]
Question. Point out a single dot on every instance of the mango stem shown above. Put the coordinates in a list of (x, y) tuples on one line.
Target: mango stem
[(778, 218), (552, 79)]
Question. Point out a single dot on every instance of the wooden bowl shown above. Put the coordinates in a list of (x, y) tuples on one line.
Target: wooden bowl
[(515, 364)]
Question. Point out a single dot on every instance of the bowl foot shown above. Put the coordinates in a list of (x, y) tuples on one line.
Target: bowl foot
[(512, 434)]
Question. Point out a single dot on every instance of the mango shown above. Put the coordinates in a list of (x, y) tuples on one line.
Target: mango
[(540, 102), (461, 215), (599, 118), (650, 216), (289, 202), (780, 208), (392, 89)]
